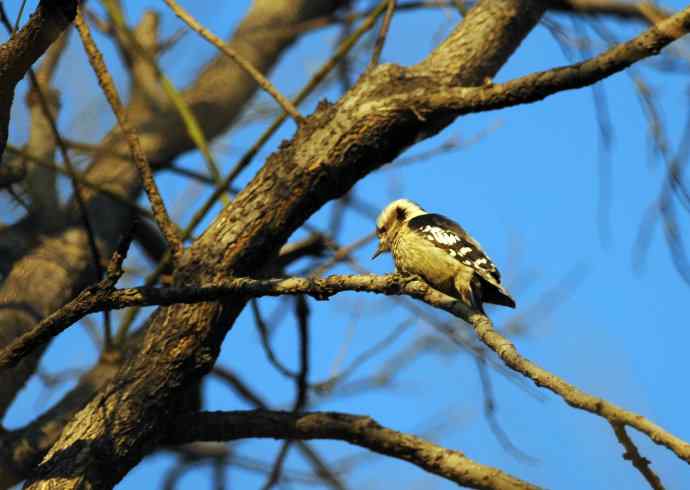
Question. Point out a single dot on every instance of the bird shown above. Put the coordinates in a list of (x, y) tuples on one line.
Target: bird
[(441, 252)]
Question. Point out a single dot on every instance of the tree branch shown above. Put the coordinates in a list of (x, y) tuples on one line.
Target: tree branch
[(17, 55), (26, 296), (219, 93), (41, 182), (641, 10), (383, 33), (571, 395), (251, 70), (358, 430), (108, 86), (99, 298), (634, 456), (477, 49), (330, 152), (22, 449), (336, 147), (392, 284), (537, 86)]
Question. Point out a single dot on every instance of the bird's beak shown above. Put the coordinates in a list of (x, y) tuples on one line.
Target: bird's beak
[(381, 248)]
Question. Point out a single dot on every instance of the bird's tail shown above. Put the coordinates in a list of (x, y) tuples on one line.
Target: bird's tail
[(495, 293)]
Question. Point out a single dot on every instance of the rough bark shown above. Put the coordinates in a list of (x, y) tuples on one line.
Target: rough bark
[(21, 450), (358, 430), (389, 109), (217, 97), (336, 147)]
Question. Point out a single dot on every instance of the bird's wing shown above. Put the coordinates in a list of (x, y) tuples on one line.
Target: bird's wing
[(454, 240)]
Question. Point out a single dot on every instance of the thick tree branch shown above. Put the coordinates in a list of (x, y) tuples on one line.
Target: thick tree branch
[(642, 10), (45, 105), (537, 86), (331, 151), (17, 55), (21, 450), (430, 102), (476, 50), (219, 93), (336, 147), (41, 182), (358, 430), (33, 289)]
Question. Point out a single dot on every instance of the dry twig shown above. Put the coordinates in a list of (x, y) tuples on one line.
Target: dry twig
[(261, 80), (634, 456), (106, 82)]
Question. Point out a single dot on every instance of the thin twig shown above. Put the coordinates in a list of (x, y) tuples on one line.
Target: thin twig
[(301, 383), (277, 470), (266, 342), (327, 385), (301, 379), (261, 80), (490, 414), (344, 68), (19, 17), (78, 196), (340, 52), (342, 253), (106, 82), (633, 455), (189, 119), (383, 33), (83, 180)]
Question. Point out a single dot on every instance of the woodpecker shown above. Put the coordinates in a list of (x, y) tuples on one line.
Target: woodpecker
[(441, 252)]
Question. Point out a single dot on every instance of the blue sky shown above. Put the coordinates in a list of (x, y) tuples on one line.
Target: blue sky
[(529, 191)]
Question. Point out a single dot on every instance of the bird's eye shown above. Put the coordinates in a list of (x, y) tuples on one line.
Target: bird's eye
[(380, 230)]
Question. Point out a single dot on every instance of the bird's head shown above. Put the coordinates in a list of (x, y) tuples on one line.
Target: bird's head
[(391, 220)]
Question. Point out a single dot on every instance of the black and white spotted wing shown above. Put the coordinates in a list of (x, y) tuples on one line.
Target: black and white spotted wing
[(449, 236)]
